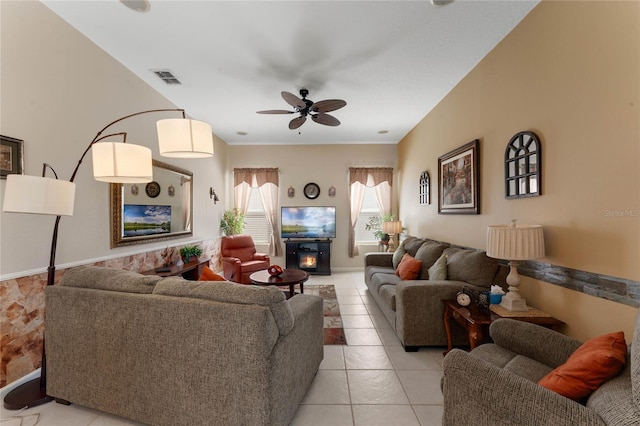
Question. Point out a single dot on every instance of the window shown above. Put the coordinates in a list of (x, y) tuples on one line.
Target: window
[(255, 220), (369, 209)]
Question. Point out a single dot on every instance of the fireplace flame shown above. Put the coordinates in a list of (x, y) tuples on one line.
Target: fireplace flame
[(308, 262)]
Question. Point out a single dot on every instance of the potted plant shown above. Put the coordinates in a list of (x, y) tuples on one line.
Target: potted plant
[(232, 222), (375, 224), (189, 253)]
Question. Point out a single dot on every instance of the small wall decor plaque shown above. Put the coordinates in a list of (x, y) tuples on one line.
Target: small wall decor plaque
[(134, 189), (11, 156), (332, 191), (291, 192), (171, 191)]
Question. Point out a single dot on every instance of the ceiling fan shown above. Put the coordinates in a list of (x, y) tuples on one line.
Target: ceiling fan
[(316, 110)]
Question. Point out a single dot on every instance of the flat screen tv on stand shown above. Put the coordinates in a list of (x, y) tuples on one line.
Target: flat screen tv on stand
[(308, 222)]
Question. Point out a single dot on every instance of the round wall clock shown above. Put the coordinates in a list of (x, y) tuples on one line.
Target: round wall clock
[(311, 191), (152, 189)]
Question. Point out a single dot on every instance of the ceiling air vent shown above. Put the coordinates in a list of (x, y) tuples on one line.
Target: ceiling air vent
[(166, 76)]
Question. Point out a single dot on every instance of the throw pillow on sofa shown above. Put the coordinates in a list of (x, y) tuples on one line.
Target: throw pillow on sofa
[(595, 362), (428, 253), (209, 275), (472, 266), (397, 255), (409, 268), (438, 270)]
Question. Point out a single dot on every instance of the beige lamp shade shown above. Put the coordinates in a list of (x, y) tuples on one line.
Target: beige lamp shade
[(120, 162), (515, 242), (38, 195), (184, 138), (392, 227)]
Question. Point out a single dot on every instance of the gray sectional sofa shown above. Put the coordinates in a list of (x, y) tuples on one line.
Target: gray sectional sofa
[(496, 384), (414, 307), (176, 352)]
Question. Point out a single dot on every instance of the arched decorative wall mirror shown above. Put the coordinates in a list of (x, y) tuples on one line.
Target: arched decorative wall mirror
[(522, 161), (156, 211)]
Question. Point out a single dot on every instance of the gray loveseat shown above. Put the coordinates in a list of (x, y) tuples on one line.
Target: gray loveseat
[(414, 307), (496, 384), (176, 352)]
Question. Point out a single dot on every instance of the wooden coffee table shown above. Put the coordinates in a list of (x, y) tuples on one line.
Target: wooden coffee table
[(477, 321), (290, 277)]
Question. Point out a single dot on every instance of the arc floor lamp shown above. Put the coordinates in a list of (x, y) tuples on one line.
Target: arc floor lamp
[(117, 162)]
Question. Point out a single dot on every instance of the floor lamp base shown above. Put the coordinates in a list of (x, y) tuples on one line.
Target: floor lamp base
[(26, 395)]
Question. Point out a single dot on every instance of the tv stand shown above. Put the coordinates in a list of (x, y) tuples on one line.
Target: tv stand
[(312, 256)]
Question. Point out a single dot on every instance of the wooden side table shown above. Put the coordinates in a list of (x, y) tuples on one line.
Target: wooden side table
[(477, 321), (189, 271)]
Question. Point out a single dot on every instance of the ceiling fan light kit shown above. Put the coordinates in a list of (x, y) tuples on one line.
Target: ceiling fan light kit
[(307, 108)]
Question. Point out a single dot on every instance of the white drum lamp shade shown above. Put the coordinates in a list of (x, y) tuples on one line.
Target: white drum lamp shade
[(38, 195), (120, 162), (520, 242), (184, 138), (392, 228), (514, 243)]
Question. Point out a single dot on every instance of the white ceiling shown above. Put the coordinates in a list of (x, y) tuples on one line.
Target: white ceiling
[(391, 61)]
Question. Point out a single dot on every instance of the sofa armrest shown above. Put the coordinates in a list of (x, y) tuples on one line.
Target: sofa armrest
[(229, 259), (533, 341), (378, 259), (261, 256), (478, 393)]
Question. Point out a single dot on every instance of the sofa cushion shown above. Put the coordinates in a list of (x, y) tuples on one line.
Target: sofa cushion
[(412, 244), (438, 271), (209, 275), (510, 361), (428, 253), (593, 363), (382, 278), (110, 279), (388, 295), (229, 292), (472, 266), (409, 268), (397, 255)]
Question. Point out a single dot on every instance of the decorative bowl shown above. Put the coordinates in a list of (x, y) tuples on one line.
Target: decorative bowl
[(274, 270)]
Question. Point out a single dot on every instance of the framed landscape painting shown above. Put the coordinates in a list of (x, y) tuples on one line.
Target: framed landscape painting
[(459, 180), (11, 160)]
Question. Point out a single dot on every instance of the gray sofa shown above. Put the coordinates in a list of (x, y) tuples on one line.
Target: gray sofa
[(176, 352), (496, 384), (414, 307)]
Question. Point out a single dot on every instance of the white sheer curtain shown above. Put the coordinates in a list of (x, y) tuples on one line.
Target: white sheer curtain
[(381, 179), (267, 182), (186, 203)]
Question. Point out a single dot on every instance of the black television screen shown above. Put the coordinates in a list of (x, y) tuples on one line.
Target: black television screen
[(308, 222)]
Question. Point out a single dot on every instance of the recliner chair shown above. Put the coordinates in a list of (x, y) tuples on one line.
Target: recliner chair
[(240, 259)]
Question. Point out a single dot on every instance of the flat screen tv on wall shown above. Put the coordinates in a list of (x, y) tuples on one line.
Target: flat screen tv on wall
[(139, 220), (308, 222)]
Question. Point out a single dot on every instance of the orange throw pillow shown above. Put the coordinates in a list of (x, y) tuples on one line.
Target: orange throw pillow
[(209, 275), (409, 267), (596, 361)]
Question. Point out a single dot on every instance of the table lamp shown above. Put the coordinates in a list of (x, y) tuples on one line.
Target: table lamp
[(117, 162), (514, 243), (392, 228)]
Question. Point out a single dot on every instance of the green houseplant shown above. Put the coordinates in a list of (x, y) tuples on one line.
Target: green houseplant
[(190, 252), (232, 222), (375, 224)]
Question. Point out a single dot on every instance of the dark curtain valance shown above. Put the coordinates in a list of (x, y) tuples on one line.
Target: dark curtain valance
[(262, 176), (377, 174)]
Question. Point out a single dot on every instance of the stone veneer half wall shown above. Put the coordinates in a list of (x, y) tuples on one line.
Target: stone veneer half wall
[(23, 309)]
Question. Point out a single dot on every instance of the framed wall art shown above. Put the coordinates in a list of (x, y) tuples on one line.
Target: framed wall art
[(11, 156), (459, 180)]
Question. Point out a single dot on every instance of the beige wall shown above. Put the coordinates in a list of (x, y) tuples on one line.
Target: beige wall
[(325, 165), (58, 91), (569, 72)]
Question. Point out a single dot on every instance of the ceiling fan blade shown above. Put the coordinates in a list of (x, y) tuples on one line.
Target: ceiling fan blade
[(275, 111), (328, 105), (293, 100), (297, 122), (326, 119)]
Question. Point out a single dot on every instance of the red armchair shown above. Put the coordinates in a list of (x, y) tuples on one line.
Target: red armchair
[(239, 258)]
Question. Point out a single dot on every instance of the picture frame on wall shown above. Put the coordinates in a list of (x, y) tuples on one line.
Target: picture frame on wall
[(459, 180), (11, 156)]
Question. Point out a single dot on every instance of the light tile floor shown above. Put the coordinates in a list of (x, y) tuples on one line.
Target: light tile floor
[(370, 381)]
